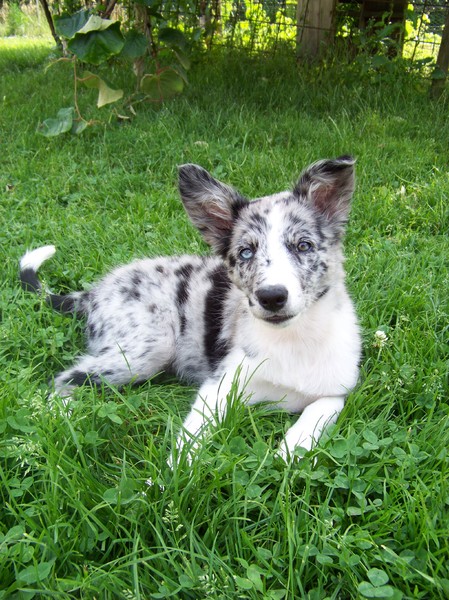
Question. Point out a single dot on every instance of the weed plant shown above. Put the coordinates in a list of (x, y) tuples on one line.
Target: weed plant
[(88, 506)]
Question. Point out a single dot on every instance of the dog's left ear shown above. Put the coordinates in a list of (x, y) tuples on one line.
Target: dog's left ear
[(211, 205), (328, 185)]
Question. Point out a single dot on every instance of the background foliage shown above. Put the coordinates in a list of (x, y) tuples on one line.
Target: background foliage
[(155, 39)]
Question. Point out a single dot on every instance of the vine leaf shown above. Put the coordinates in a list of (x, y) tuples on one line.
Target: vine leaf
[(135, 45), (106, 94), (184, 60), (78, 127), (62, 123), (96, 23), (174, 38), (97, 45), (68, 25), (162, 85)]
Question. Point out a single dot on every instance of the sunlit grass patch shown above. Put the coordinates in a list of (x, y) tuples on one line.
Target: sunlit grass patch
[(17, 53)]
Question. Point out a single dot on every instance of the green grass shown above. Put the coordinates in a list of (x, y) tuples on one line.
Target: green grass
[(88, 507)]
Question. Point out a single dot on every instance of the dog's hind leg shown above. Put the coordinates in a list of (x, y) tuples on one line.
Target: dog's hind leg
[(113, 367)]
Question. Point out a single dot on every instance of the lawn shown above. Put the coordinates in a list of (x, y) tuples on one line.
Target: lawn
[(88, 506)]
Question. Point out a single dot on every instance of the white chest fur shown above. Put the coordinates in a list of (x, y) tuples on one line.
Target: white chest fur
[(315, 356)]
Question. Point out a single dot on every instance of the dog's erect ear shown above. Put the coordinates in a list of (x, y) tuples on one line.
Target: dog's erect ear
[(211, 205), (328, 186)]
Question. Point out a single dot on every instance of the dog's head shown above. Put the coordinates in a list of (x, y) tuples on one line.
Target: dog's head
[(283, 250)]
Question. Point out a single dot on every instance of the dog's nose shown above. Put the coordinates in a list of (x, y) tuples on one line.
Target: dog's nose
[(272, 297)]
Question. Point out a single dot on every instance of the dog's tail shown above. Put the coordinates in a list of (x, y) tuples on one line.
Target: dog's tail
[(29, 265)]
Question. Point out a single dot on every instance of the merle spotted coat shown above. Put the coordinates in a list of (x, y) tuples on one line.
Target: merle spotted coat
[(272, 302)]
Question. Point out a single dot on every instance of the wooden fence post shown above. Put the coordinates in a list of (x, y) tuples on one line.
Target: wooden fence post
[(315, 22)]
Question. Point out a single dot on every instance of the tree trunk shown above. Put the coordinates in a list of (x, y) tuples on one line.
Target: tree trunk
[(442, 62), (49, 18)]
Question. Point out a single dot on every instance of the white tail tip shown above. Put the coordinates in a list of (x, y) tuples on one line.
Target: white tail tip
[(34, 258)]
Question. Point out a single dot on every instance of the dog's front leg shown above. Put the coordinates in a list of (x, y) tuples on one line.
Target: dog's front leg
[(211, 403), (308, 428), (208, 408)]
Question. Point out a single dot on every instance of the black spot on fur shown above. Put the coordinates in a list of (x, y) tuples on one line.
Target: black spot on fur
[(323, 293), (257, 219), (182, 292), (79, 378), (183, 274), (130, 293), (215, 346), (184, 270), (137, 278), (160, 269), (239, 203), (64, 304), (324, 267)]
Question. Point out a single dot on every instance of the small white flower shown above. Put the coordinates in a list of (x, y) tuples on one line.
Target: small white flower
[(380, 339)]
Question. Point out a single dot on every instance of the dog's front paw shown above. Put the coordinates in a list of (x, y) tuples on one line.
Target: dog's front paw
[(289, 455), (290, 448)]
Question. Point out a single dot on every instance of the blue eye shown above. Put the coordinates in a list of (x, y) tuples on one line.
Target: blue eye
[(246, 254), (304, 246)]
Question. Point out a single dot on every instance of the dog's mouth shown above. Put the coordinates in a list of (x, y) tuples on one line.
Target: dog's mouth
[(277, 319)]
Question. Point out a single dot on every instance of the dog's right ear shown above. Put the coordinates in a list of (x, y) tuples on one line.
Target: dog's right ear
[(328, 185), (211, 205)]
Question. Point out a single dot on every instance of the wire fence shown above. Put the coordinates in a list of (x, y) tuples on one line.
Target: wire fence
[(423, 32), (268, 26)]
